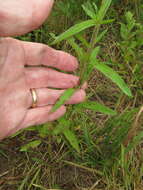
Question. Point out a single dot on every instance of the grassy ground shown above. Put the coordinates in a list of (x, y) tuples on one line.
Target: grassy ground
[(111, 158)]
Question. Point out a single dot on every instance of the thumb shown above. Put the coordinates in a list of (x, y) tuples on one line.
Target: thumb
[(22, 16)]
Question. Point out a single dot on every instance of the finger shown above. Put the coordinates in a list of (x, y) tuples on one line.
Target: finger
[(40, 54), (47, 96), (20, 17), (42, 115), (44, 77), (78, 97), (84, 86)]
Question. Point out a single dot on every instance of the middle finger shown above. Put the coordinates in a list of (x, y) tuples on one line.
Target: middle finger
[(40, 77)]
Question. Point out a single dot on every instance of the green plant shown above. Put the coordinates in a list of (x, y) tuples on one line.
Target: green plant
[(131, 50), (108, 144), (87, 52)]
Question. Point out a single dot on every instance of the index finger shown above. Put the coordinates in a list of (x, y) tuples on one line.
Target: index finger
[(39, 54)]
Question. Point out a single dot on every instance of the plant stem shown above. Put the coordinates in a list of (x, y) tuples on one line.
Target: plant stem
[(93, 38), (89, 50), (137, 8)]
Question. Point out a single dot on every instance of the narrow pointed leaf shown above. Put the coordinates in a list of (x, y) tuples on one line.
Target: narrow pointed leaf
[(106, 21), (76, 47), (71, 137), (74, 30), (95, 106), (100, 36), (104, 8), (83, 40), (32, 144), (89, 12), (94, 53), (114, 76), (64, 97), (91, 65)]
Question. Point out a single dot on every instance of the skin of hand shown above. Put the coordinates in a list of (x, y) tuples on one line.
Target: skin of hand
[(25, 65), (21, 16)]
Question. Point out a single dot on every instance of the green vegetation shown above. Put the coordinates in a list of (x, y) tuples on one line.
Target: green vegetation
[(97, 145)]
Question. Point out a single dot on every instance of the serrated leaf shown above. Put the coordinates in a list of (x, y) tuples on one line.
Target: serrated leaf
[(74, 30), (63, 98), (32, 144), (71, 137), (95, 106), (114, 76)]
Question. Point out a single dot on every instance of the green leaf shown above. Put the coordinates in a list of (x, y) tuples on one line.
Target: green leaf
[(94, 54), (62, 125), (95, 106), (136, 140), (130, 20), (104, 8), (71, 137), (89, 10), (63, 98), (76, 47), (74, 30), (114, 76), (106, 21), (64, 128), (91, 64), (100, 36), (80, 36), (32, 144), (44, 130), (124, 31)]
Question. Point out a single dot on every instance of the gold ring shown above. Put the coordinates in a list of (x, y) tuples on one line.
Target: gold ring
[(34, 98)]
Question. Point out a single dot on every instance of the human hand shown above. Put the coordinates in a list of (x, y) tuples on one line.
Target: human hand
[(20, 71), (21, 16)]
